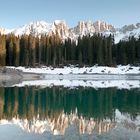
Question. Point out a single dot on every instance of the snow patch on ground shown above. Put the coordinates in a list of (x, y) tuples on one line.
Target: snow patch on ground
[(84, 70), (122, 77)]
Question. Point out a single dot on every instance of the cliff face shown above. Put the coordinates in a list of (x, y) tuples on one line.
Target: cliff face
[(2, 30), (60, 27), (83, 28)]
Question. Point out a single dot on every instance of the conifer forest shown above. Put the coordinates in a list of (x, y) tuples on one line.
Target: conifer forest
[(31, 51)]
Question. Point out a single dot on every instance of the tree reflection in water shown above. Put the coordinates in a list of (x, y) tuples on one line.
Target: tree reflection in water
[(54, 109)]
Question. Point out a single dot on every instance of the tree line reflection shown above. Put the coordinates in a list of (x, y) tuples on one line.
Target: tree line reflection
[(42, 103)]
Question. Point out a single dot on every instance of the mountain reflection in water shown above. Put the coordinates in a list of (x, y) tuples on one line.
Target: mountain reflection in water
[(55, 109)]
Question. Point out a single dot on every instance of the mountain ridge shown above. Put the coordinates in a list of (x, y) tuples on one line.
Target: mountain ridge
[(38, 28)]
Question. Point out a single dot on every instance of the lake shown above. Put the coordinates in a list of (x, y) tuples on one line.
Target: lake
[(58, 112)]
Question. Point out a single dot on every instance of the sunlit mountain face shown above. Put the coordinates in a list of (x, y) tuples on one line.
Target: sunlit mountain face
[(83, 28), (56, 110)]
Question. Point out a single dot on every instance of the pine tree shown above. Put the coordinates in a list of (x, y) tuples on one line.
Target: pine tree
[(2, 50), (138, 51), (16, 51), (131, 50), (10, 52), (32, 54), (26, 51), (105, 50), (121, 55), (109, 46), (37, 51), (100, 51), (80, 57)]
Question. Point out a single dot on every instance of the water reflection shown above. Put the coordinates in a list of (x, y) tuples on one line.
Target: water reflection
[(55, 109), (57, 126)]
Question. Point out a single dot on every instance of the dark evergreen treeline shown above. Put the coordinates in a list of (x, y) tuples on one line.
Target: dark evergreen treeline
[(128, 52), (28, 50)]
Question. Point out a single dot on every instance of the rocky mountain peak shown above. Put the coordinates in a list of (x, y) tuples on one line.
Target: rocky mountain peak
[(35, 28), (83, 28), (138, 25), (60, 27), (129, 28), (5, 31), (2, 30), (101, 26), (89, 27)]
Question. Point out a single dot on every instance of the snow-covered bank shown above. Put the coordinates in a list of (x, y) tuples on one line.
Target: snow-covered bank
[(120, 84), (84, 70), (122, 77)]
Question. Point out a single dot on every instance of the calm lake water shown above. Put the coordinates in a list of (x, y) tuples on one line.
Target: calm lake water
[(37, 113)]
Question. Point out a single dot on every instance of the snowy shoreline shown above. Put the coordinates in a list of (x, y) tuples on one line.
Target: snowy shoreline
[(119, 70), (121, 77)]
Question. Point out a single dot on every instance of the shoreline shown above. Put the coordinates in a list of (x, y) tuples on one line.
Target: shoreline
[(67, 70), (10, 76)]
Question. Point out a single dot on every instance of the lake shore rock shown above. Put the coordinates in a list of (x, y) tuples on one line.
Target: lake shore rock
[(9, 76)]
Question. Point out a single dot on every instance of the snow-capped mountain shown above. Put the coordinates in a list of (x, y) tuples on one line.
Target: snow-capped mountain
[(5, 31), (127, 31), (42, 27), (2, 31), (83, 28), (60, 27)]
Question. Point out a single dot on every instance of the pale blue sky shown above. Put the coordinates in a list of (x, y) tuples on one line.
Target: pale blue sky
[(15, 13)]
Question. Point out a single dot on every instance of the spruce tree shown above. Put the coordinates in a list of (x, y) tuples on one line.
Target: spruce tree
[(2, 50), (16, 51)]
